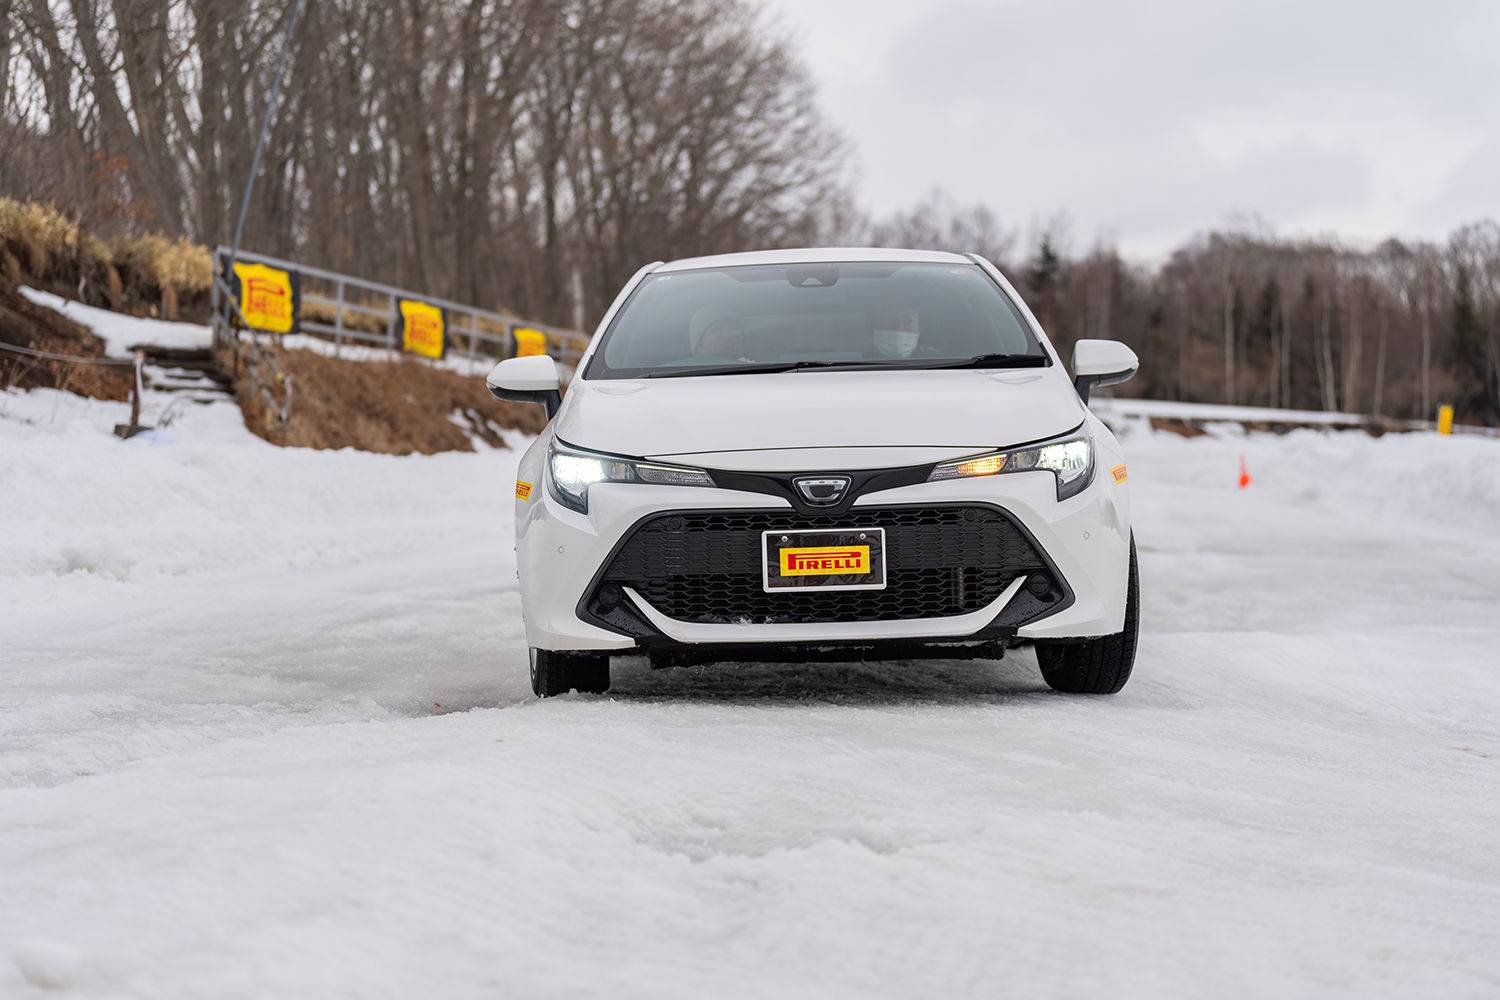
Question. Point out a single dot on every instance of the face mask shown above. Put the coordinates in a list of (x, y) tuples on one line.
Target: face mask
[(895, 343)]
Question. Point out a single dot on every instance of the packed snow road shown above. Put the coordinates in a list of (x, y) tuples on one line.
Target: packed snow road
[(266, 732)]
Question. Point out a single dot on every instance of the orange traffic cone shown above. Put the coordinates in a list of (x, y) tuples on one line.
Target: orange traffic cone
[(1244, 473)]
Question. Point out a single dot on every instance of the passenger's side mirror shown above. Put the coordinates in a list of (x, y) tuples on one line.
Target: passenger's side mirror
[(532, 379), (1101, 362)]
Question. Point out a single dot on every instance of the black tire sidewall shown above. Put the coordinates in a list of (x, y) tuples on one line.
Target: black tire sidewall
[(1101, 665)]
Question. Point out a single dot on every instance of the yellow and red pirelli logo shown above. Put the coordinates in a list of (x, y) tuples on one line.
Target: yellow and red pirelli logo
[(1119, 473), (523, 490), (826, 560)]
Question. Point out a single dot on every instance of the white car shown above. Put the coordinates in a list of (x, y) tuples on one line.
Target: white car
[(822, 455)]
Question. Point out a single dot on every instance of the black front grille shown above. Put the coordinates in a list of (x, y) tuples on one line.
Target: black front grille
[(940, 562)]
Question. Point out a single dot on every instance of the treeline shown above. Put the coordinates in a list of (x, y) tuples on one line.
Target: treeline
[(531, 154), (524, 153), (1248, 318)]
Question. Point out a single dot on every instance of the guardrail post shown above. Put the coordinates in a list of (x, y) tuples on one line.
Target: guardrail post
[(338, 322), (390, 324), (135, 392)]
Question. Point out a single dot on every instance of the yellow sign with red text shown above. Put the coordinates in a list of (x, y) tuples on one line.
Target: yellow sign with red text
[(530, 342), (1119, 473), (267, 296), (422, 328), (826, 560), (523, 490)]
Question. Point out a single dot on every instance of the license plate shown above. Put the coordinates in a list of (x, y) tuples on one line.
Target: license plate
[(846, 559)]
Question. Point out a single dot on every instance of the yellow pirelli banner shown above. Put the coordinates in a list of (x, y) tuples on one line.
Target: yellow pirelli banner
[(424, 328), (269, 298), (530, 342)]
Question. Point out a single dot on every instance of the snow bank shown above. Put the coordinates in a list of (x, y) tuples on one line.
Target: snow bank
[(120, 332), (1426, 477), (203, 495)]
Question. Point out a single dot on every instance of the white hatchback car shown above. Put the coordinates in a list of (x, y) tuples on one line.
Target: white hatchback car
[(821, 455)]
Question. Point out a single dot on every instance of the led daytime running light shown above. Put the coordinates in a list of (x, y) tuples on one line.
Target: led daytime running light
[(573, 472)]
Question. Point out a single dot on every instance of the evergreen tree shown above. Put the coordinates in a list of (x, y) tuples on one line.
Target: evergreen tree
[(1470, 340), (1045, 267)]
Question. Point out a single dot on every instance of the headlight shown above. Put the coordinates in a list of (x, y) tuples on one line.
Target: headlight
[(1070, 459), (573, 471)]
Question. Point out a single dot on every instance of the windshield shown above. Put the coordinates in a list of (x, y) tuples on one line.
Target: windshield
[(732, 320)]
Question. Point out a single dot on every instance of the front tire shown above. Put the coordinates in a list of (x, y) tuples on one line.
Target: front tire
[(1096, 666), (554, 672)]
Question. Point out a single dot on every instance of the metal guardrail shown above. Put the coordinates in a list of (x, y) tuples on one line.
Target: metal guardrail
[(471, 336), (1257, 415)]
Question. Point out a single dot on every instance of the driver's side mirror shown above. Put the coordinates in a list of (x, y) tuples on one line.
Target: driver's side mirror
[(1101, 362), (532, 379)]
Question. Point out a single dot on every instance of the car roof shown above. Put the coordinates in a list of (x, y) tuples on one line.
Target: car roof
[(815, 255)]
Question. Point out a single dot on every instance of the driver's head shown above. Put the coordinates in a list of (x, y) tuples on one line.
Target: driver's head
[(725, 337), (896, 330)]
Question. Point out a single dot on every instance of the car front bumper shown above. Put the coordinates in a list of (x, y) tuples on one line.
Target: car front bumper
[(560, 554)]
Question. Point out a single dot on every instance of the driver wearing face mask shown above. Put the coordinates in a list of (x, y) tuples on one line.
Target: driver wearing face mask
[(897, 331)]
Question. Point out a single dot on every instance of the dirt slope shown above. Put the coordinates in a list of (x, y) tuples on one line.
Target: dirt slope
[(392, 407), (26, 324)]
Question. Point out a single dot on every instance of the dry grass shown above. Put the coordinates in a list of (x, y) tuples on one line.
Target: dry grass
[(392, 407), (26, 324), (34, 233), (182, 266), (142, 275)]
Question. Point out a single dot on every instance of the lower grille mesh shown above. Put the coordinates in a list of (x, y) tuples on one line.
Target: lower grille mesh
[(940, 562)]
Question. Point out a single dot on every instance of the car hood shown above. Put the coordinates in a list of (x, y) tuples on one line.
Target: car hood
[(926, 411)]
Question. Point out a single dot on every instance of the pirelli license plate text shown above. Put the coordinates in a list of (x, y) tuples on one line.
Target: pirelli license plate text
[(847, 559)]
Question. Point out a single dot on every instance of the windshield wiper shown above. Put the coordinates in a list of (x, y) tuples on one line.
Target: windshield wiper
[(986, 361), (767, 368), (918, 364), (978, 361)]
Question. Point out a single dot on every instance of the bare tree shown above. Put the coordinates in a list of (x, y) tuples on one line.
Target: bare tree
[(483, 149), (1230, 290)]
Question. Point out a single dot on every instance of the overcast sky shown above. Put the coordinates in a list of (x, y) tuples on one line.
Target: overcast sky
[(1149, 121)]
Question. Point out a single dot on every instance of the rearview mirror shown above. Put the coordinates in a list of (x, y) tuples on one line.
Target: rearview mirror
[(532, 379), (1101, 362)]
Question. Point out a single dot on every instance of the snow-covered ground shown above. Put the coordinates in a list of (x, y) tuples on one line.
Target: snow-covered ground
[(265, 732)]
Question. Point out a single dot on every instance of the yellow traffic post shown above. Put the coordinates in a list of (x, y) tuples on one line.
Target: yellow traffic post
[(1445, 419)]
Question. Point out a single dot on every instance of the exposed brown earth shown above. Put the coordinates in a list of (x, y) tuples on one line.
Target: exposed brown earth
[(1177, 426), (26, 324), (392, 407)]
